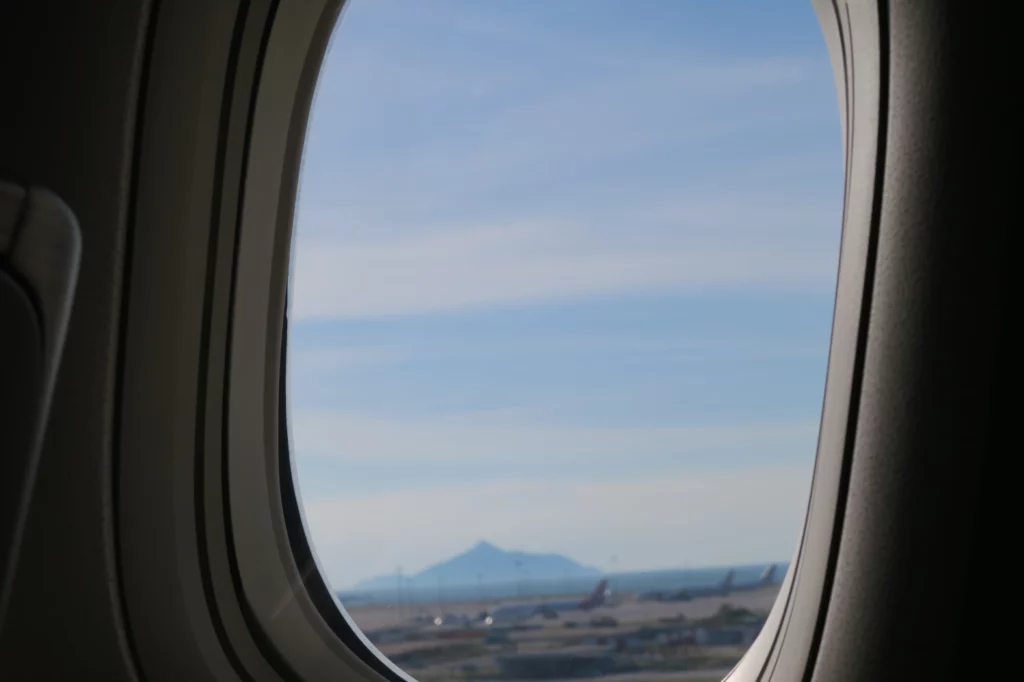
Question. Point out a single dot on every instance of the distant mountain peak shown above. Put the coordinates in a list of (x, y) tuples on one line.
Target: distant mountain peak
[(487, 563), (483, 546)]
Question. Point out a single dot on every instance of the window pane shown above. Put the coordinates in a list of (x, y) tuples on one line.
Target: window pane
[(561, 305)]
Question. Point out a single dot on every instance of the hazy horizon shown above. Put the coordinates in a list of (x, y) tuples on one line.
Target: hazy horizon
[(412, 572)]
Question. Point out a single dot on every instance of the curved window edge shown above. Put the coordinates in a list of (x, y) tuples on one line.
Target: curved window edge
[(803, 589)]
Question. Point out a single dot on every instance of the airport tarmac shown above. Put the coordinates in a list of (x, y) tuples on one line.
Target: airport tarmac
[(441, 653), (626, 609)]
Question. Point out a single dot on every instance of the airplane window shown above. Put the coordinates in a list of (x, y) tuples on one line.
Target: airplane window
[(561, 302)]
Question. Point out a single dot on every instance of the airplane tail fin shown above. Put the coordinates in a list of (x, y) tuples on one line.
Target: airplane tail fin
[(727, 580), (768, 577), (596, 598)]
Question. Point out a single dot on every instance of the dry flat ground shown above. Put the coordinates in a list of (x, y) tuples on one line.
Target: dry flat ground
[(629, 611), (681, 676)]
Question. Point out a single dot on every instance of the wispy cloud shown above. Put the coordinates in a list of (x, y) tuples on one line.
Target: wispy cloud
[(671, 520), (334, 362), (455, 268), (431, 135), (439, 183), (518, 436)]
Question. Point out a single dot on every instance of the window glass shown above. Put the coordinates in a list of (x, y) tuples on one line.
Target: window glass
[(560, 313)]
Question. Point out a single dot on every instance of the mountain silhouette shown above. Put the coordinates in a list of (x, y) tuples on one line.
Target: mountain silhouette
[(485, 563)]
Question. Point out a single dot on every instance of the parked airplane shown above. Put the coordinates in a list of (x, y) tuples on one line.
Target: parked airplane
[(512, 613), (767, 578), (722, 589)]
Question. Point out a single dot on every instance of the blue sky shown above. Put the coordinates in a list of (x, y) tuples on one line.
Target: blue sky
[(563, 280)]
